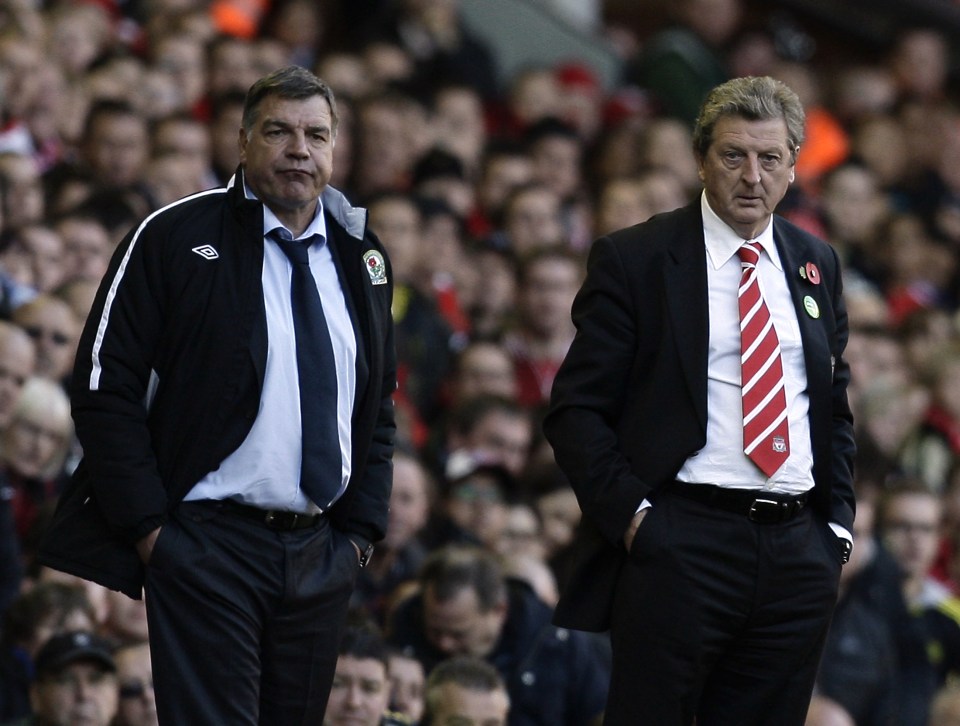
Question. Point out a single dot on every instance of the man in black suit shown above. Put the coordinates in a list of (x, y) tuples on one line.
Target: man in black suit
[(712, 553), (232, 394)]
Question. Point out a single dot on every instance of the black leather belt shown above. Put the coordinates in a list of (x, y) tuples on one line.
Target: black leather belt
[(278, 519), (757, 506)]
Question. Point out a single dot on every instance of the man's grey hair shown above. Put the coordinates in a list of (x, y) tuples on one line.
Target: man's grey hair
[(755, 98)]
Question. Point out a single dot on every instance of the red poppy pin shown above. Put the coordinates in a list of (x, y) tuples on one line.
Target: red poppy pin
[(812, 273)]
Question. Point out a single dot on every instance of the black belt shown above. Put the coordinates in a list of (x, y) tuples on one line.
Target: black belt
[(757, 506), (278, 519)]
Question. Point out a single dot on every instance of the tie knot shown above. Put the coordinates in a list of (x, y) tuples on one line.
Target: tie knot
[(295, 250), (749, 252)]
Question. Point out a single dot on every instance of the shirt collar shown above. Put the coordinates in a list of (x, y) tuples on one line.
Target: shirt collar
[(317, 226), (722, 242)]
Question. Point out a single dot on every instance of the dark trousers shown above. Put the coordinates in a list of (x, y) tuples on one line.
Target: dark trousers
[(245, 621), (720, 618)]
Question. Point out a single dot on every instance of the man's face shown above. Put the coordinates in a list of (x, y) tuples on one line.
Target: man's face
[(53, 328), (359, 694), (547, 294), (86, 248), (409, 503), (138, 703), (458, 626), (505, 438), (118, 149), (406, 686), (82, 694), (911, 531), (288, 154), (16, 365), (459, 706), (486, 368), (746, 171)]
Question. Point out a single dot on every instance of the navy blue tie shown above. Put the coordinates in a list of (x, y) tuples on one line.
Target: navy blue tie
[(321, 467)]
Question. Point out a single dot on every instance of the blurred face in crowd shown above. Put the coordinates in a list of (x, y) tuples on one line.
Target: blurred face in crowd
[(521, 535), (182, 55), (288, 156), (746, 171), (459, 626), (359, 694), (460, 706), (231, 66), (138, 704), (556, 163), (502, 174), (80, 694), (397, 223), (117, 148), (560, 515), (476, 504), (53, 327), (44, 250), (502, 437), (853, 204), (126, 618), (533, 219), (17, 359), (409, 502), (39, 429), (459, 124), (485, 368), (535, 95), (546, 295), (24, 202), (911, 531), (406, 686), (86, 248)]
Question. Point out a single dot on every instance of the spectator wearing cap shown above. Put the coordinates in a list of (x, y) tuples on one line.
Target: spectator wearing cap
[(46, 609), (75, 682), (476, 502)]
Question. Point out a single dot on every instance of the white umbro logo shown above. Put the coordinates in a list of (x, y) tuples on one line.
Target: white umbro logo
[(206, 252)]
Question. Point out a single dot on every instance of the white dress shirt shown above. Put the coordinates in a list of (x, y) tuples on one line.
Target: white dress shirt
[(721, 461)]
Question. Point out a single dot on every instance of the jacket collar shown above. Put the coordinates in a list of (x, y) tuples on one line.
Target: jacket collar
[(352, 219)]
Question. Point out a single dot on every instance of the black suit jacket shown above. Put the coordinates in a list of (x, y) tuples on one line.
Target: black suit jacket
[(629, 404)]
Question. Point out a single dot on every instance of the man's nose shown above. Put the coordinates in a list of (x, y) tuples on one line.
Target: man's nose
[(751, 170), (297, 145)]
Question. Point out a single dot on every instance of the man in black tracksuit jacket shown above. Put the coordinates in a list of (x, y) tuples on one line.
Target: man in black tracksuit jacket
[(168, 383)]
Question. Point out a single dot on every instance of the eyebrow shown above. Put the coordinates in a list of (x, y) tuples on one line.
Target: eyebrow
[(314, 128)]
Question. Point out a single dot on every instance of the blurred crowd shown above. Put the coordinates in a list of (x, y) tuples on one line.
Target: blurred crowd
[(487, 193)]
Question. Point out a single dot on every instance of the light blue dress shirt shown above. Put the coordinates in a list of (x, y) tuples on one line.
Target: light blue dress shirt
[(265, 470)]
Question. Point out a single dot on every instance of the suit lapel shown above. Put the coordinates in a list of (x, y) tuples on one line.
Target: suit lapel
[(685, 278), (795, 253), (349, 268)]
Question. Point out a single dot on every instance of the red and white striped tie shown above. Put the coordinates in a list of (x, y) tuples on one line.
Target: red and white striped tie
[(766, 435)]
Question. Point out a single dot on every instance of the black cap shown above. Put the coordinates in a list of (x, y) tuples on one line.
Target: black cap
[(67, 648)]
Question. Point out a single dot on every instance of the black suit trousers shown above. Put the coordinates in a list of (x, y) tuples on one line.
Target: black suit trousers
[(719, 618), (244, 620)]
